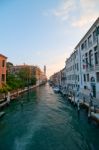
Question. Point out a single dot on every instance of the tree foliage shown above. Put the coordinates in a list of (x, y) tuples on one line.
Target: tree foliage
[(5, 88), (20, 80), (26, 76), (33, 80), (13, 81), (23, 78)]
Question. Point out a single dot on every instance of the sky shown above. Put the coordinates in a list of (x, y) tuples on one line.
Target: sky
[(44, 32)]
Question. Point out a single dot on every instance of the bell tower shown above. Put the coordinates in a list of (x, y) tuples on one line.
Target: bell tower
[(44, 70)]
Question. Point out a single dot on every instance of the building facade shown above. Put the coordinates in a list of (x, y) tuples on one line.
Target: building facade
[(63, 78), (88, 49), (56, 79), (3, 60), (82, 67), (40, 75), (72, 72)]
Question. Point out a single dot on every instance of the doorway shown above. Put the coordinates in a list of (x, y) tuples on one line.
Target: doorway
[(93, 90), (93, 86)]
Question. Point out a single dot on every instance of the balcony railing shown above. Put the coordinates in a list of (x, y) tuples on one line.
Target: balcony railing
[(90, 68), (97, 67)]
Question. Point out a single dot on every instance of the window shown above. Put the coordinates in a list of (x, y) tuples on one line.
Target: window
[(3, 63), (84, 77), (96, 58), (97, 31), (89, 41), (97, 76), (82, 46), (94, 36), (86, 60), (78, 87), (3, 77), (90, 58), (78, 77), (96, 55), (77, 67), (85, 43), (87, 77)]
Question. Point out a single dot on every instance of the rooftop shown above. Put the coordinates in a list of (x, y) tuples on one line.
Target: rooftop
[(3, 56)]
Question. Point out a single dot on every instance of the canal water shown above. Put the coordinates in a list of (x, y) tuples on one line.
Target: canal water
[(44, 120)]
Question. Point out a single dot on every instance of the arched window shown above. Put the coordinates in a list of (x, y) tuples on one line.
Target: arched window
[(90, 58), (92, 79)]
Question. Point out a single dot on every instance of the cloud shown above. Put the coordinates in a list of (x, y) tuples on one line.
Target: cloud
[(64, 9), (85, 20), (88, 13), (79, 13)]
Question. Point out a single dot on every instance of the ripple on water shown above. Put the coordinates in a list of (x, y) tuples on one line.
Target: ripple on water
[(46, 121)]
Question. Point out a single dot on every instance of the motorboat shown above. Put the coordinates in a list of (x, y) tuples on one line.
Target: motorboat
[(56, 89)]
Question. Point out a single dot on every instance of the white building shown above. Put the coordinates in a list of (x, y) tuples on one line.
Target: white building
[(81, 70), (89, 62), (73, 71), (82, 67)]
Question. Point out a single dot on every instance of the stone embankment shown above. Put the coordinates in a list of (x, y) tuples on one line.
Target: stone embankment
[(83, 101), (13, 95), (5, 101)]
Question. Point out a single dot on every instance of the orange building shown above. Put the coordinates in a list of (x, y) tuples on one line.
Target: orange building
[(2, 69)]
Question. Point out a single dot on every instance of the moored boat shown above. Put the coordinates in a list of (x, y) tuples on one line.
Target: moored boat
[(56, 89)]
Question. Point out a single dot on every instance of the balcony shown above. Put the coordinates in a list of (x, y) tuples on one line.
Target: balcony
[(90, 68), (97, 67)]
